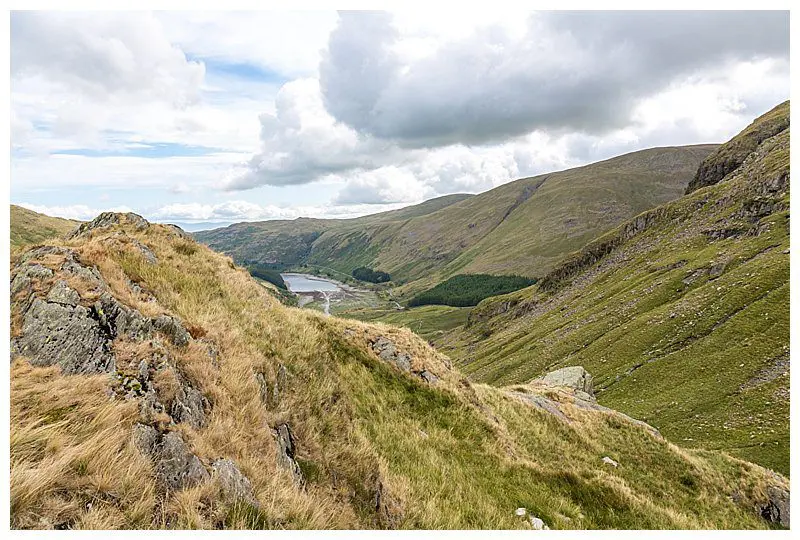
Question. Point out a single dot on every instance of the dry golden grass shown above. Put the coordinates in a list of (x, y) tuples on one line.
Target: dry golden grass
[(377, 448)]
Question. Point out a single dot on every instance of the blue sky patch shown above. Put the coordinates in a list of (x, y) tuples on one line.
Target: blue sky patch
[(144, 150), (242, 70)]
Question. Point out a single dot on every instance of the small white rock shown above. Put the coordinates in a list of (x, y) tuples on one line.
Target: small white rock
[(538, 524), (610, 461), (520, 512)]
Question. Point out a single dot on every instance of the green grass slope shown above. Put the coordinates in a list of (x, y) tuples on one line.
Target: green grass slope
[(523, 227), (371, 446), (29, 227), (681, 314)]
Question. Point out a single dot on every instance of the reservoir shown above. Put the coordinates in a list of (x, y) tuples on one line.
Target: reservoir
[(304, 283)]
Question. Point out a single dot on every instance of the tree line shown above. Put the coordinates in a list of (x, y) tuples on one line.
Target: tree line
[(469, 289)]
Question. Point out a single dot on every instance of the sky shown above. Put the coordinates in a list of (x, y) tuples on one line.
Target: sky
[(208, 118)]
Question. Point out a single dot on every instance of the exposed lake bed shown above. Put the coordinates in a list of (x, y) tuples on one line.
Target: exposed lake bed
[(328, 295)]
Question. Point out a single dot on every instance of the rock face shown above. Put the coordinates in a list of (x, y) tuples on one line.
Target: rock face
[(572, 377), (234, 484), (68, 335), (286, 452), (108, 219), (176, 467), (388, 352), (776, 510)]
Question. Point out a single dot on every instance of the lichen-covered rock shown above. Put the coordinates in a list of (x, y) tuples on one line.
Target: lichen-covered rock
[(173, 329), (572, 377), (176, 466), (28, 274), (189, 405), (120, 320), (387, 351), (61, 293), (286, 452), (776, 509), (70, 336), (108, 219), (233, 484)]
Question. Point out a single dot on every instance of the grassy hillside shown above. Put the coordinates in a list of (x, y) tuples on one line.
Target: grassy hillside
[(523, 227), (205, 403), (681, 314), (29, 227)]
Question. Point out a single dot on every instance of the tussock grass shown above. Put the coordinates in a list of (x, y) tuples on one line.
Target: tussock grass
[(378, 448)]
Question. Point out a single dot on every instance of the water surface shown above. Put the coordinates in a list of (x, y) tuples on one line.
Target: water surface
[(304, 283)]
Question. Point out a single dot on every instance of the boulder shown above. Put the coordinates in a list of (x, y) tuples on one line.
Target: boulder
[(233, 484), (776, 509), (572, 377), (67, 335), (176, 466)]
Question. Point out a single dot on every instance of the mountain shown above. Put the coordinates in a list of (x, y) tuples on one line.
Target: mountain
[(681, 313), (154, 384), (29, 227), (523, 227)]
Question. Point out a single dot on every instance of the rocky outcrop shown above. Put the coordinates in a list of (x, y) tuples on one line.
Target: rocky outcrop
[(576, 383), (730, 156), (571, 377), (776, 509), (388, 352), (233, 484), (109, 219), (176, 467), (286, 452), (68, 335)]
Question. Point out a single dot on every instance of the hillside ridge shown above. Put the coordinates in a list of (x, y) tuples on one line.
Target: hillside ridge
[(205, 403)]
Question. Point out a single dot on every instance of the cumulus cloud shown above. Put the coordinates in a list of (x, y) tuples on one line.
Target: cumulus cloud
[(104, 55), (301, 142), (80, 212), (568, 71), (384, 185)]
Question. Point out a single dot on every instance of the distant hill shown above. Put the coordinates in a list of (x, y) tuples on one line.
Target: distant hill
[(524, 227), (681, 313), (29, 227)]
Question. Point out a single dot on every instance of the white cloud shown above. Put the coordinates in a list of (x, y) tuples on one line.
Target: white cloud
[(103, 55), (77, 211), (409, 106)]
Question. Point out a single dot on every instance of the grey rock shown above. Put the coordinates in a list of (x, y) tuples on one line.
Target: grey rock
[(144, 371), (572, 377), (108, 219), (286, 452), (234, 484), (26, 275), (70, 336), (388, 352), (146, 439), (176, 466), (716, 270), (280, 384), (428, 377), (120, 320), (149, 407), (61, 293), (776, 509), (173, 329), (146, 252), (542, 403), (538, 524), (608, 461), (189, 406)]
